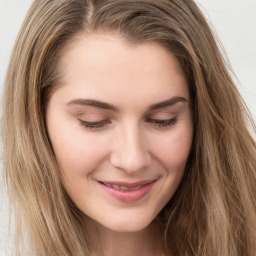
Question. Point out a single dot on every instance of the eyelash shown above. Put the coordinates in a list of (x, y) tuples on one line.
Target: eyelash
[(163, 123), (94, 125), (159, 123)]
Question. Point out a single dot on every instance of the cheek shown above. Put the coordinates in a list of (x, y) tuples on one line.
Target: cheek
[(78, 153), (173, 150), (78, 158)]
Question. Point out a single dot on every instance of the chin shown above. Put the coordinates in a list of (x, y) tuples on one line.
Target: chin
[(128, 225)]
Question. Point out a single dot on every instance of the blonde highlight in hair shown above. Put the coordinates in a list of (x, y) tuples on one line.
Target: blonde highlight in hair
[(213, 212)]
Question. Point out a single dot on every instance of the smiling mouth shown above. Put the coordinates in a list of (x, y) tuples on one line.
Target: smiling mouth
[(122, 187), (127, 192)]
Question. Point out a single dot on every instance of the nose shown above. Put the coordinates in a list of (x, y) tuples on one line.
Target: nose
[(130, 152)]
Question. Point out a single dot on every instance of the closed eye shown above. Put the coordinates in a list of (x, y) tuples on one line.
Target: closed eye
[(163, 122), (159, 123), (94, 125)]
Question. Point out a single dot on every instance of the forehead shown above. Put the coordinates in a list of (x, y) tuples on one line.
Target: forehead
[(102, 65), (102, 49)]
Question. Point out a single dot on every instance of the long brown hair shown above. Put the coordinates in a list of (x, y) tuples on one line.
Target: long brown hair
[(214, 209)]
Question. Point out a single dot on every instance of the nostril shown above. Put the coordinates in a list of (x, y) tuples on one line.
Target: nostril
[(130, 152), (131, 163)]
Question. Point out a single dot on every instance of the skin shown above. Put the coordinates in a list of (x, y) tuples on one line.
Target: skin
[(129, 145)]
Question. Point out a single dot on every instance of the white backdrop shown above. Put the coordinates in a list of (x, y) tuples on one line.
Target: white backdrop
[(233, 20)]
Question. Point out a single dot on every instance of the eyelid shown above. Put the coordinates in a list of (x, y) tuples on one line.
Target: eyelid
[(94, 125), (93, 117), (163, 113), (163, 123)]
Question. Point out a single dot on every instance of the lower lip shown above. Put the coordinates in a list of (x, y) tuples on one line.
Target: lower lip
[(128, 195)]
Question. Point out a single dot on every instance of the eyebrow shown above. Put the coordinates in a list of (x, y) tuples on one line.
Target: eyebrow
[(93, 103), (167, 103), (108, 106)]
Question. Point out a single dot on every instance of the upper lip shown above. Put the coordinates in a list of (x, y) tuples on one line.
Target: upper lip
[(128, 184)]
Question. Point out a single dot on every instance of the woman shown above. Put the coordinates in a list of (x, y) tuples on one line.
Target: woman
[(128, 135)]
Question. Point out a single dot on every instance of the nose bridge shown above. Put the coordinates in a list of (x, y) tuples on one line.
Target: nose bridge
[(130, 153)]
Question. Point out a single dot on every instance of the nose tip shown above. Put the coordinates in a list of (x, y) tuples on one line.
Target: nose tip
[(131, 163), (130, 154)]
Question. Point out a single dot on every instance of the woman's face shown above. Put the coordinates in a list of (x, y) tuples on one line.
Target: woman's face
[(121, 128)]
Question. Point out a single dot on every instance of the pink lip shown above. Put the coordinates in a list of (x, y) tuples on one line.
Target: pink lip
[(131, 195)]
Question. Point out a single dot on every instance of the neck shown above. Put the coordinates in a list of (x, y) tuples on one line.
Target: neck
[(106, 242)]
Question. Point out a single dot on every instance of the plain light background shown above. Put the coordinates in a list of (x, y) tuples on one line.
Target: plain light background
[(234, 21)]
